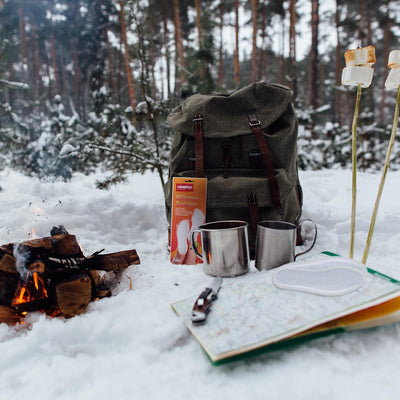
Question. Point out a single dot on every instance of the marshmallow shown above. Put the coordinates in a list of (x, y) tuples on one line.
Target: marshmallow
[(353, 75), (394, 59), (393, 79), (364, 56)]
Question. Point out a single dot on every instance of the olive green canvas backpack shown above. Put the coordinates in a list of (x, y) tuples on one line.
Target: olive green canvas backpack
[(245, 144)]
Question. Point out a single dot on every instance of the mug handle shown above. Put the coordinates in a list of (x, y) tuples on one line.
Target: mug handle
[(314, 240), (193, 242)]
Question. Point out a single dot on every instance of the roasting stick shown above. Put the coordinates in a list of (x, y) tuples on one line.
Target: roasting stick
[(354, 171), (393, 81), (358, 72)]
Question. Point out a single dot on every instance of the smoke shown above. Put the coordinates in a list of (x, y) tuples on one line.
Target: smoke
[(22, 256)]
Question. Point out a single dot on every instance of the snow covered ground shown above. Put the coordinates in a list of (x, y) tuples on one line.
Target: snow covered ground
[(133, 346)]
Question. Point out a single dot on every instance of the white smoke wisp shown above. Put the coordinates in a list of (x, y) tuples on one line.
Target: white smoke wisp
[(22, 255)]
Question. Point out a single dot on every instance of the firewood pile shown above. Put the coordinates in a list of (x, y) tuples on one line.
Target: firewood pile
[(52, 275)]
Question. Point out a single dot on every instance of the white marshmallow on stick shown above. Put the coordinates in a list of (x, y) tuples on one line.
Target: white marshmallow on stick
[(354, 75), (359, 68), (358, 72), (393, 79)]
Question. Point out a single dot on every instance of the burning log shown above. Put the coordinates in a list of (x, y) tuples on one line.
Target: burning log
[(9, 278), (63, 245), (106, 262), (7, 264), (8, 286), (9, 316), (74, 294), (53, 273)]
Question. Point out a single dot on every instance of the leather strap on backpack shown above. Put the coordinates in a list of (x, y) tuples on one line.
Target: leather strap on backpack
[(255, 125), (198, 138)]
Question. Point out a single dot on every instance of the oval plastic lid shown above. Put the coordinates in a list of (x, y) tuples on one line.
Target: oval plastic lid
[(333, 277)]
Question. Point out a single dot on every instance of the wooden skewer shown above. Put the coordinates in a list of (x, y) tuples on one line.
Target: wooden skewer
[(354, 172)]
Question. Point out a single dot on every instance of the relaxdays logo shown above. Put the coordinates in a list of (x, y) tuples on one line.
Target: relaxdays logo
[(184, 187)]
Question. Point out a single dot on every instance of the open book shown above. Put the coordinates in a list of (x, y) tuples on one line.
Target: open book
[(251, 315)]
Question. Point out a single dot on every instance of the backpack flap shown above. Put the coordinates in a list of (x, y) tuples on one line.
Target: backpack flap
[(223, 114)]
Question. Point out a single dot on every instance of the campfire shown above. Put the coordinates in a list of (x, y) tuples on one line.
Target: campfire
[(52, 275)]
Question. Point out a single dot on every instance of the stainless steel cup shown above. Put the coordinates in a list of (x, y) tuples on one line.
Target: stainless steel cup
[(224, 247), (276, 243)]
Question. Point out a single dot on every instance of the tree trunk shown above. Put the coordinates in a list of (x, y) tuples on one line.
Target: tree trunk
[(111, 73), (236, 52), (54, 63), (179, 47), (385, 69), (263, 61), (35, 61), (198, 22), (365, 39), (166, 48), (292, 47), (281, 57), (23, 43), (361, 35), (120, 71), (221, 46), (77, 81), (321, 88), (254, 19), (202, 63), (65, 92), (313, 76), (339, 56), (127, 59), (152, 52)]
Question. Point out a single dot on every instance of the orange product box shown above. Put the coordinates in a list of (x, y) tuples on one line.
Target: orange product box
[(188, 213)]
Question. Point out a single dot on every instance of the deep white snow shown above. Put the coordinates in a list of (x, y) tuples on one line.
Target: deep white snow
[(133, 346)]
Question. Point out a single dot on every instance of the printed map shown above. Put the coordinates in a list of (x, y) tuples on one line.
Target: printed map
[(252, 312)]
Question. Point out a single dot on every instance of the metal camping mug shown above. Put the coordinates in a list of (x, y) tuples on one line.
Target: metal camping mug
[(224, 247), (276, 243)]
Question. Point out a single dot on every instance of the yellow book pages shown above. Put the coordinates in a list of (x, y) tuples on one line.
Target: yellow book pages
[(380, 314)]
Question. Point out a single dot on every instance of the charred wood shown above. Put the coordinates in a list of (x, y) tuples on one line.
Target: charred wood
[(8, 285), (9, 316), (105, 262)]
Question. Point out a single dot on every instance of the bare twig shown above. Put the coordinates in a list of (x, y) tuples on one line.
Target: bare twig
[(155, 164)]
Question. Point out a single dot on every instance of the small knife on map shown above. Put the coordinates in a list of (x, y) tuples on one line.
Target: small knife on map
[(202, 305)]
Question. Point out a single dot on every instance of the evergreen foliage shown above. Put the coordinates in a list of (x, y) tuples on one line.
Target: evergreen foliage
[(64, 103)]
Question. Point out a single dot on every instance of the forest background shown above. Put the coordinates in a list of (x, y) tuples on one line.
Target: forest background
[(89, 83)]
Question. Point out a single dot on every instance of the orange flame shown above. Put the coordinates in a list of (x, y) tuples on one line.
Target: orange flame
[(31, 290)]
